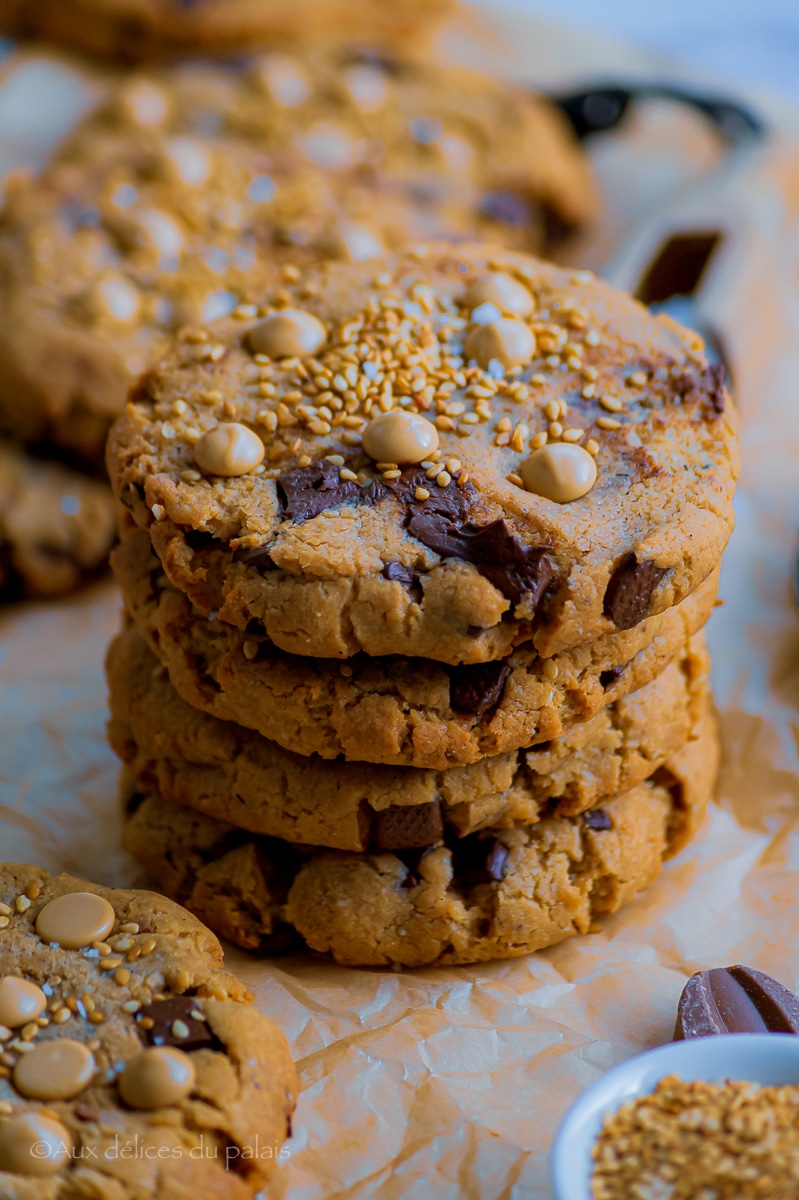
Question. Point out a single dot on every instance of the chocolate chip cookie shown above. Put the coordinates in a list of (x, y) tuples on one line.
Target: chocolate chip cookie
[(397, 711), (140, 30), (495, 894), (443, 454), (56, 526), (132, 1064), (235, 775), (190, 191)]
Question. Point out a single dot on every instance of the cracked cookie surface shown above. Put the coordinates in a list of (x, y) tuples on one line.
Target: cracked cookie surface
[(310, 541), (126, 1031), (397, 711), (497, 894), (235, 775)]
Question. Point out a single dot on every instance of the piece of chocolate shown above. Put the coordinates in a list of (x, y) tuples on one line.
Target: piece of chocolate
[(598, 819), (478, 688), (306, 491), (408, 826), (735, 1000), (629, 591), (706, 388), (611, 676), (399, 574), (191, 1034), (411, 860), (477, 860)]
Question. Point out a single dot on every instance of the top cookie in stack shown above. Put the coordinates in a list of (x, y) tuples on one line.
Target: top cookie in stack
[(138, 30), (449, 454), (189, 189)]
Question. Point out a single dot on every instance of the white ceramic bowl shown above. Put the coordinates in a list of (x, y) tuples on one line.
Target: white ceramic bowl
[(766, 1059)]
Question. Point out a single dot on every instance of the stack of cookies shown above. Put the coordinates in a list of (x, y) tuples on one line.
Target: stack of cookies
[(192, 187), (416, 555)]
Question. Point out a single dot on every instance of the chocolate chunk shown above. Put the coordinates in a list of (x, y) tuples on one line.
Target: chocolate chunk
[(514, 569), (629, 591), (477, 860), (597, 818), (411, 860), (374, 492), (705, 388), (402, 827), (477, 689), (611, 676), (307, 491), (399, 574), (164, 1014), (259, 556), (507, 207), (735, 1000)]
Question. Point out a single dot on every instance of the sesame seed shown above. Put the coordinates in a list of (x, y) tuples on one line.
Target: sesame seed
[(346, 473), (336, 459), (421, 493), (453, 465), (608, 423), (190, 475), (395, 474), (592, 446), (538, 440), (22, 904), (504, 425), (148, 946), (122, 976), (129, 927), (131, 1006), (444, 479), (552, 410), (572, 435), (180, 1030), (250, 650), (589, 391), (110, 964), (6, 910), (304, 460), (29, 1031), (611, 403), (321, 428), (555, 429), (550, 670), (592, 338), (96, 1018), (4, 922), (502, 439), (516, 479)]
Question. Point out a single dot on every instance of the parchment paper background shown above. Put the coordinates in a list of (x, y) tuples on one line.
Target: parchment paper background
[(451, 1083)]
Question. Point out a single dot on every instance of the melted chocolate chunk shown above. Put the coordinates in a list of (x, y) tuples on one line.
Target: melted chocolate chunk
[(735, 1000), (477, 689), (411, 860), (477, 860), (403, 827), (598, 819), (164, 1014), (407, 576), (706, 388), (611, 676), (307, 491), (629, 591)]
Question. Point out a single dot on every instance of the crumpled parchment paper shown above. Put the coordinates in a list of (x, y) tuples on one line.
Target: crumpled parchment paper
[(451, 1083)]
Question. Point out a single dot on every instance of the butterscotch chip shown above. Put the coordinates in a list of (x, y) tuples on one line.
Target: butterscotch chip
[(508, 295), (194, 190), (494, 894), (20, 1001), (229, 450), (331, 551), (61, 1087), (75, 920)]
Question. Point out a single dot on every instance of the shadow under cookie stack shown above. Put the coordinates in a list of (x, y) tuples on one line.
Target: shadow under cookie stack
[(416, 556)]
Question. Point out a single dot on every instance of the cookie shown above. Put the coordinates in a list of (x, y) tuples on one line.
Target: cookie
[(497, 894), (237, 776), (133, 1064), (190, 190), (397, 711), (467, 450), (141, 30), (56, 526)]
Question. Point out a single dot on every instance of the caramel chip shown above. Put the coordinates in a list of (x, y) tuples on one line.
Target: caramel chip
[(75, 920)]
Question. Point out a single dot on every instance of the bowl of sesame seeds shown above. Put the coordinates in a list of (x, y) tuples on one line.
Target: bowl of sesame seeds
[(734, 1096)]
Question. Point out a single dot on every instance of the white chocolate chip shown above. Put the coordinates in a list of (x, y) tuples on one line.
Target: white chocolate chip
[(561, 472), (400, 437), (291, 333), (510, 296), (508, 341), (230, 449)]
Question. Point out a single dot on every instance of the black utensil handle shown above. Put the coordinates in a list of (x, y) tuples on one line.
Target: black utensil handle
[(600, 109)]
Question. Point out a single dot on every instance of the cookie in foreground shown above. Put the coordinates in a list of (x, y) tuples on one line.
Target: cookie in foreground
[(445, 453), (135, 1064), (495, 894)]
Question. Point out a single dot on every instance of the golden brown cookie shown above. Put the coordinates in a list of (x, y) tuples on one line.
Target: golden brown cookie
[(132, 1063), (140, 30), (235, 775), (397, 711), (491, 895), (190, 190), (465, 451), (56, 526)]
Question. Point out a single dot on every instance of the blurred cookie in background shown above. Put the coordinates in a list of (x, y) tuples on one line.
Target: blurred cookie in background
[(190, 190), (141, 30), (56, 526)]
